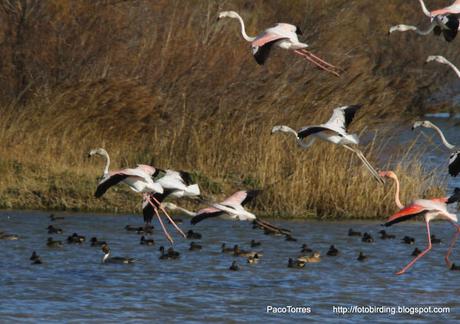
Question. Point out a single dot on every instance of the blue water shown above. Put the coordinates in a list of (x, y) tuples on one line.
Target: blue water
[(73, 286)]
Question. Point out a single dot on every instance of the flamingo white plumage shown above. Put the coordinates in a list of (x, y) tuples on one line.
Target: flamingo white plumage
[(333, 131), (429, 208), (282, 35), (138, 179), (454, 159), (444, 20), (443, 60), (179, 183)]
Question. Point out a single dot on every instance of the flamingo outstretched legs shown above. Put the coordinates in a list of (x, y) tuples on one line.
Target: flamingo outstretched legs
[(421, 254), (156, 204), (452, 243), (309, 56)]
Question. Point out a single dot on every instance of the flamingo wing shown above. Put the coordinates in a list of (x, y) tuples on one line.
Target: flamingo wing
[(241, 197), (405, 214), (454, 164), (150, 170), (343, 116), (310, 130), (108, 182), (263, 43), (206, 213)]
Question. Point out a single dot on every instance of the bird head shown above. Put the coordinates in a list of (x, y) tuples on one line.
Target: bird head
[(229, 14), (98, 151), (105, 248), (436, 58), (423, 123), (387, 174)]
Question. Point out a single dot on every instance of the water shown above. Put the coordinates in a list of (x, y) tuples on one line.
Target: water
[(73, 286)]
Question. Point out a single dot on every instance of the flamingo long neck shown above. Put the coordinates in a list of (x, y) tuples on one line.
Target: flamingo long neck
[(243, 30), (443, 138), (457, 71), (424, 8), (185, 211), (107, 162), (397, 200)]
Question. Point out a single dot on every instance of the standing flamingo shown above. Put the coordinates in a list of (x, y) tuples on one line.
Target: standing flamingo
[(444, 20), (282, 35), (443, 60), (429, 208), (333, 131), (454, 160), (138, 179)]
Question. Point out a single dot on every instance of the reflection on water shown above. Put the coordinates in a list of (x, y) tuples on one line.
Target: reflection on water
[(72, 284)]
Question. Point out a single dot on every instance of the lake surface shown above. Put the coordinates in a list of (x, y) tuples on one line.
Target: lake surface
[(73, 286)]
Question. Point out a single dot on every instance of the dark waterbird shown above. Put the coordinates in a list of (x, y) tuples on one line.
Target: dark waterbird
[(225, 249), (234, 266), (75, 239), (145, 241), (367, 238), (290, 238), (435, 240), (305, 249), (416, 252), (195, 247), (191, 235), (55, 218), (95, 242), (408, 240), (168, 255), (118, 260), (295, 264), (351, 232), (34, 256), (253, 259), (54, 230), (242, 253), (385, 236), (454, 267), (332, 251), (362, 257), (255, 243), (52, 243)]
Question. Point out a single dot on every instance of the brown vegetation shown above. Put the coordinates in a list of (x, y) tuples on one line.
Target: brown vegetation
[(162, 82)]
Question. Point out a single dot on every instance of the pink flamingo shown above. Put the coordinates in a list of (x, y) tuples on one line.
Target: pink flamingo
[(138, 179), (444, 20), (429, 208), (282, 35)]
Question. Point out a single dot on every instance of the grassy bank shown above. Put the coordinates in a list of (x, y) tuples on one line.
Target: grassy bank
[(163, 83)]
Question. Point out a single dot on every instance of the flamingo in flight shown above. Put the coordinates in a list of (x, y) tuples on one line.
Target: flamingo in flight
[(454, 160), (333, 131), (232, 208), (138, 179), (282, 35), (443, 60), (429, 208), (444, 20)]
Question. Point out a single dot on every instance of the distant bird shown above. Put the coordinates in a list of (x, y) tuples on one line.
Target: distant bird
[(54, 230), (55, 218), (194, 246), (95, 242), (351, 232), (295, 264), (281, 35), (416, 252), (290, 238), (253, 259), (234, 266), (444, 20), (52, 243), (408, 240), (443, 60), (305, 249), (38, 260), (8, 237), (168, 255), (314, 258), (34, 256), (435, 240), (332, 251), (225, 249), (238, 252), (454, 160), (108, 259), (333, 131), (454, 267), (191, 235), (367, 238), (362, 257), (385, 236), (255, 244), (145, 241), (431, 209), (75, 239)]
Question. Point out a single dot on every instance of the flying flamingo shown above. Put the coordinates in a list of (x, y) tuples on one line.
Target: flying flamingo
[(454, 160), (282, 35), (229, 209), (443, 60), (444, 20), (333, 131), (138, 179), (429, 208)]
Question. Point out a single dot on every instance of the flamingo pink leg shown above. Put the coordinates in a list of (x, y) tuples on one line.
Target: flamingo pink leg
[(169, 217), (421, 254), (163, 227), (317, 61), (452, 243)]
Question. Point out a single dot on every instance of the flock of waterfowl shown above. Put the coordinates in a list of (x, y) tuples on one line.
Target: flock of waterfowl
[(155, 185)]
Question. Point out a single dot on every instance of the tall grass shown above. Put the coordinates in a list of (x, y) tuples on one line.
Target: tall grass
[(162, 82)]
